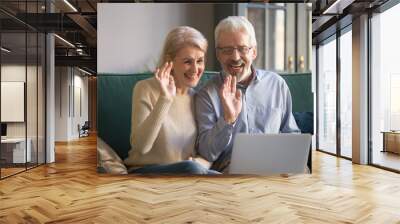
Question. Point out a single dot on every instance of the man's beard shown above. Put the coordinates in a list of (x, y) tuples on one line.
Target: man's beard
[(240, 75)]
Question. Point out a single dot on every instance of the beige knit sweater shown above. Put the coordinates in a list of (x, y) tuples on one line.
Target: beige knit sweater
[(163, 130)]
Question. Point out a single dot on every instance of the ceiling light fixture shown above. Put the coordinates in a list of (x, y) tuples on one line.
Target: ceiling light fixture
[(65, 41), (70, 5), (84, 71), (79, 51), (337, 7), (5, 50)]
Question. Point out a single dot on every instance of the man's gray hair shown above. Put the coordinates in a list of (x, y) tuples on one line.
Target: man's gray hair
[(235, 24)]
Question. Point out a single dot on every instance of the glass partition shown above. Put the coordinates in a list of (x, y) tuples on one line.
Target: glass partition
[(13, 108), (22, 89), (41, 91), (31, 100)]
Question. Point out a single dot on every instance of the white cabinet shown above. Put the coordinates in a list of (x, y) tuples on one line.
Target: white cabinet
[(16, 149)]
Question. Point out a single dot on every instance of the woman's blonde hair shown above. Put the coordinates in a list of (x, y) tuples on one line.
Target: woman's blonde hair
[(179, 38)]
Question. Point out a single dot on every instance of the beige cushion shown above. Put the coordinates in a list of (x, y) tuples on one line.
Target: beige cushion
[(108, 160)]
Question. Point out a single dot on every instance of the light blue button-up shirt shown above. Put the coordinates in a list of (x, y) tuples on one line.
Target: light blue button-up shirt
[(266, 108)]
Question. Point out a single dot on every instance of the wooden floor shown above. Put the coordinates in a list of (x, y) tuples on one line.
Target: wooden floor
[(386, 159), (5, 172), (9, 170), (70, 191)]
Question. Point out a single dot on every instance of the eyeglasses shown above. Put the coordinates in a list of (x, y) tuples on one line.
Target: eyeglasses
[(229, 50)]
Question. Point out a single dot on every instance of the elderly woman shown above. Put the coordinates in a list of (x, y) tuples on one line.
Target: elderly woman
[(163, 129)]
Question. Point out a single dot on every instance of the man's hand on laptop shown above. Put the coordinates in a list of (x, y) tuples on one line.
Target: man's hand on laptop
[(231, 99)]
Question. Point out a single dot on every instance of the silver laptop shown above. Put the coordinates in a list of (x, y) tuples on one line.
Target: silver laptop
[(267, 154)]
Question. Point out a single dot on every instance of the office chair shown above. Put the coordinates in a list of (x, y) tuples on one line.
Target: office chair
[(84, 130)]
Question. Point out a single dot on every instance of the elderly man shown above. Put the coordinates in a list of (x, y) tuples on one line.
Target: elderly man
[(241, 99)]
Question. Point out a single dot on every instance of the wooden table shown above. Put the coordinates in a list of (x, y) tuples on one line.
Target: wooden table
[(391, 141)]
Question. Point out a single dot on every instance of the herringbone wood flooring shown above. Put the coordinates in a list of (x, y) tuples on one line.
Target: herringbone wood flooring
[(70, 191)]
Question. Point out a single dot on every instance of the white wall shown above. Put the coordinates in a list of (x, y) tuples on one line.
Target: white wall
[(80, 84), (15, 72), (61, 103), (67, 117), (130, 36), (33, 126)]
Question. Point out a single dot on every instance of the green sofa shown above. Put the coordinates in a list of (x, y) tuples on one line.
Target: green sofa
[(114, 103)]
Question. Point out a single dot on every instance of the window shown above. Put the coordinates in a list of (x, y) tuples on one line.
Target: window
[(282, 33), (327, 97), (346, 94), (385, 85)]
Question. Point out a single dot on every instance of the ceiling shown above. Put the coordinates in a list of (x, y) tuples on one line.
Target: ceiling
[(76, 22), (331, 15)]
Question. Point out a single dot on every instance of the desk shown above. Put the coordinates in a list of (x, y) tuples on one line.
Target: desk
[(391, 141), (13, 150)]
